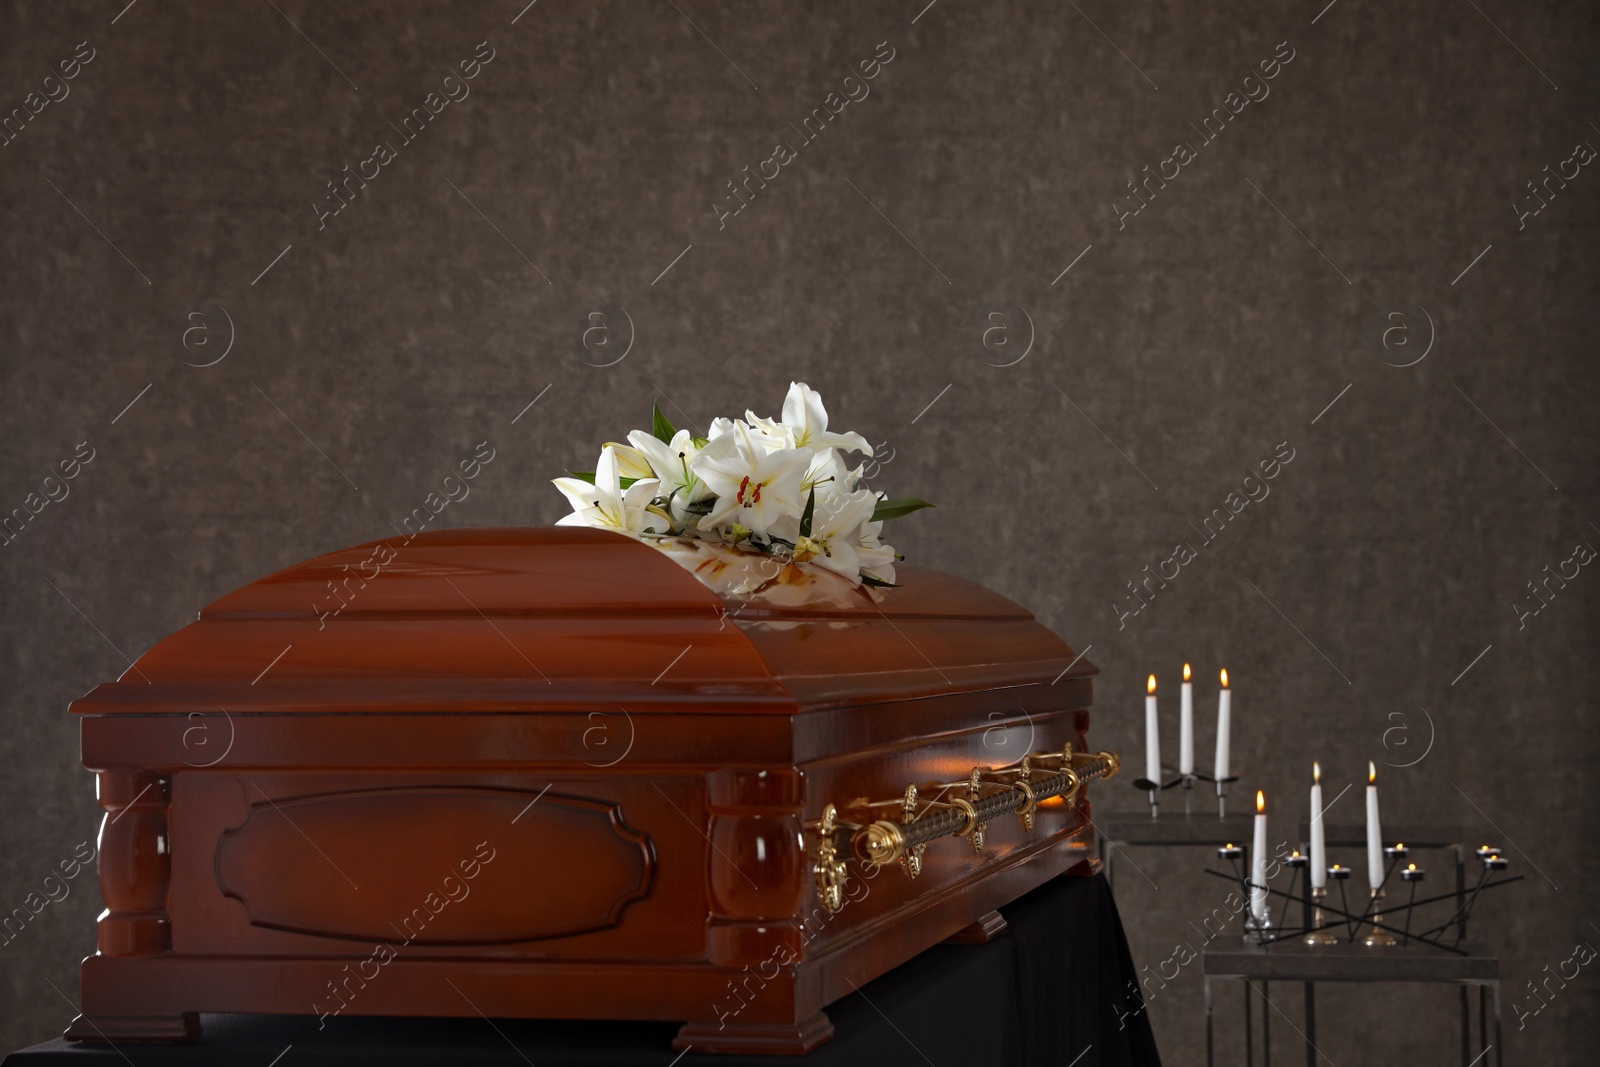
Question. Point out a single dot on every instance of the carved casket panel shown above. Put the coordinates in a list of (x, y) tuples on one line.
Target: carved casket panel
[(437, 847)]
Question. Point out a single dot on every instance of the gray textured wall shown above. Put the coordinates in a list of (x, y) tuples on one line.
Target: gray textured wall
[(1192, 338)]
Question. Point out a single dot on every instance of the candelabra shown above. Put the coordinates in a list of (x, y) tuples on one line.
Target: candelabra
[(1172, 779), (1370, 924)]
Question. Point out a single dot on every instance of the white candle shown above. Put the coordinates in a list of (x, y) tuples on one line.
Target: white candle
[(1319, 840), (1186, 726), (1258, 861), (1224, 729), (1374, 832), (1152, 738)]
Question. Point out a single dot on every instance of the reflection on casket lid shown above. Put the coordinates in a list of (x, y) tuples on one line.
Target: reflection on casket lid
[(565, 618)]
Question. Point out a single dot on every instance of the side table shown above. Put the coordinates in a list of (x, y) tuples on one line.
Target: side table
[(1295, 961), (1177, 829)]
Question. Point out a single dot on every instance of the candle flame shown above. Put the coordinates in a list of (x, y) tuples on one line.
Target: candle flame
[(1261, 802), (1186, 672), (1316, 773), (1411, 866), (1150, 686), (1224, 677), (1372, 772)]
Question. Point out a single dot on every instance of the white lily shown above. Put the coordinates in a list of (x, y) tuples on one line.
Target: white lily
[(830, 479), (671, 462), (631, 462), (770, 435), (754, 488), (829, 474), (877, 559), (607, 504), (805, 423), (835, 536)]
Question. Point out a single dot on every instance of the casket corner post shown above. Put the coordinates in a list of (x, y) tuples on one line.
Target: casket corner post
[(133, 857), (757, 886)]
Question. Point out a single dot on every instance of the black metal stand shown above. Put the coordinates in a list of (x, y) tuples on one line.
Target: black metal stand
[(1439, 953), (1168, 830), (1293, 961), (1174, 779)]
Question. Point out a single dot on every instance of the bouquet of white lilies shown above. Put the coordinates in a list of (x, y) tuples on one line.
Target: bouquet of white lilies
[(776, 487)]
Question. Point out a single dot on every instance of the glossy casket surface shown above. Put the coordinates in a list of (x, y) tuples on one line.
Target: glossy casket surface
[(553, 773)]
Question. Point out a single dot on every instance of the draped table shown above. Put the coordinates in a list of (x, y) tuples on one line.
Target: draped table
[(1053, 988)]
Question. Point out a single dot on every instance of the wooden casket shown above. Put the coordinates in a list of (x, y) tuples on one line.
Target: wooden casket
[(562, 773)]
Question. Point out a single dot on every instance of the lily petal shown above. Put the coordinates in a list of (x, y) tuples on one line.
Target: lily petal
[(579, 493), (631, 462)]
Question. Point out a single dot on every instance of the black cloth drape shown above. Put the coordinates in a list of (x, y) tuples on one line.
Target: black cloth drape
[(1076, 988)]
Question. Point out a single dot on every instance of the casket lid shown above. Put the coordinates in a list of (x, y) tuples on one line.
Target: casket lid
[(567, 619)]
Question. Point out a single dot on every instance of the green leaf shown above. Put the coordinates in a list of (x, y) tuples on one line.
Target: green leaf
[(805, 516), (659, 424), (867, 579), (893, 509)]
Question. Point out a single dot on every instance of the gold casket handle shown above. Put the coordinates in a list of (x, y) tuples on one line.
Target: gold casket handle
[(990, 793)]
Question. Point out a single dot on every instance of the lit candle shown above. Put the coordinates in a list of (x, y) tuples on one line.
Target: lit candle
[(1152, 738), (1186, 726), (1374, 831), (1413, 873), (1224, 728), (1319, 840), (1258, 862)]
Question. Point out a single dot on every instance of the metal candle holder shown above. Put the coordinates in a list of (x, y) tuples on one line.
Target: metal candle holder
[(1155, 789), (1414, 875), (1257, 931), (1311, 904), (1369, 925), (1319, 934), (1378, 937)]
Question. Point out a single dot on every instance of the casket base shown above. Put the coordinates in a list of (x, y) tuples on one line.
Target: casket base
[(984, 930), (756, 1039), (105, 1029)]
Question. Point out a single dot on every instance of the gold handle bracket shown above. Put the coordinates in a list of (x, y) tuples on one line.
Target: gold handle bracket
[(827, 869), (989, 793)]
